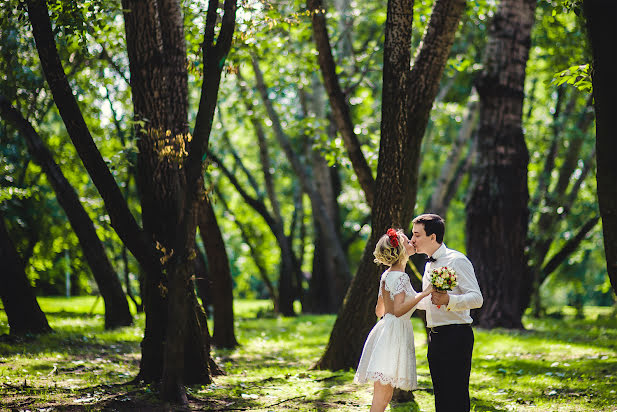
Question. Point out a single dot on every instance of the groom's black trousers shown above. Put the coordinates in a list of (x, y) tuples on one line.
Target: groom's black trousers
[(449, 358)]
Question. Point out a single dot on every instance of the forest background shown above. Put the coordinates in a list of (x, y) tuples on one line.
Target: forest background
[(289, 205)]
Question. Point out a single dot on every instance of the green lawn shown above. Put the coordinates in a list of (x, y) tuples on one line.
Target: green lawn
[(556, 365)]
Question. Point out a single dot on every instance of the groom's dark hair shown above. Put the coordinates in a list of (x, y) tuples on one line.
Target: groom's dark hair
[(432, 224)]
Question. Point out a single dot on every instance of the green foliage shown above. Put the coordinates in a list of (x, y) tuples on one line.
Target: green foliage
[(577, 76), (90, 39)]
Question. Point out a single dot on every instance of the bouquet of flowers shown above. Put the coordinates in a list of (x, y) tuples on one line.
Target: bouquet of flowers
[(443, 279)]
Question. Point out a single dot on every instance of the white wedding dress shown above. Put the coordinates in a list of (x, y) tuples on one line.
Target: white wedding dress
[(389, 355)]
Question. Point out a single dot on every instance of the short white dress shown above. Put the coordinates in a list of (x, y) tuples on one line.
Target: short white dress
[(389, 355)]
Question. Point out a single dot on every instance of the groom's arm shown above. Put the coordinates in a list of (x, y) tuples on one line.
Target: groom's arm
[(470, 296)]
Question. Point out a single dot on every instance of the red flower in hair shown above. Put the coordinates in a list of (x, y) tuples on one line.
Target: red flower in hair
[(393, 237)]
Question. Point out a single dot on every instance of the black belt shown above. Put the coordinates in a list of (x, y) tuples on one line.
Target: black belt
[(443, 328)]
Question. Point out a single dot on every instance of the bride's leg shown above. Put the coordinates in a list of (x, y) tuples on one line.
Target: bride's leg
[(382, 394)]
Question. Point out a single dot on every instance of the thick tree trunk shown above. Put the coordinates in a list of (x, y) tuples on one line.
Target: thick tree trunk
[(22, 310), (160, 104), (602, 31), (497, 214), (195, 338), (406, 103), (117, 311), (223, 335)]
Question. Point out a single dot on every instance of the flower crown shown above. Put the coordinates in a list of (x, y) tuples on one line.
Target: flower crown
[(393, 237)]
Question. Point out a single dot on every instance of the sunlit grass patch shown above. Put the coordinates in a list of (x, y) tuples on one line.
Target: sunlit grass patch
[(555, 365)]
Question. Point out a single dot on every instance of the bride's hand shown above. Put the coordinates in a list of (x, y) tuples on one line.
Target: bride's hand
[(429, 289)]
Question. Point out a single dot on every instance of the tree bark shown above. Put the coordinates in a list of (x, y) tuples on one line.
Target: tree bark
[(406, 103), (223, 335), (602, 31), (497, 214), (117, 311), (22, 310), (196, 337)]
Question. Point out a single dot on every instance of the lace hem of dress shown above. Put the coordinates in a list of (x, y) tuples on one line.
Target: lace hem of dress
[(395, 382)]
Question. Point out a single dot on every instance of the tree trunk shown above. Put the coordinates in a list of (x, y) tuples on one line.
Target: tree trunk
[(117, 311), (406, 103), (247, 233), (157, 58), (549, 219), (602, 31), (222, 285), (22, 310), (160, 106), (326, 291), (202, 281), (497, 214), (287, 267)]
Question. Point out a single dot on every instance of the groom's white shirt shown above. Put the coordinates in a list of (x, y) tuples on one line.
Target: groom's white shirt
[(464, 297)]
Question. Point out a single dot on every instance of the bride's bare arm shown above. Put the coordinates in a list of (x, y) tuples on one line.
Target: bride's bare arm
[(379, 308), (404, 303)]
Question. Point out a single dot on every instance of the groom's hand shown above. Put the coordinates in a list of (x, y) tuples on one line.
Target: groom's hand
[(440, 298)]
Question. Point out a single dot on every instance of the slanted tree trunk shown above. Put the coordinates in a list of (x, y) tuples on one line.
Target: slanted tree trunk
[(287, 266), (457, 166), (318, 204), (248, 233), (22, 310), (602, 31), (117, 311), (549, 218), (223, 335), (407, 99), (497, 214)]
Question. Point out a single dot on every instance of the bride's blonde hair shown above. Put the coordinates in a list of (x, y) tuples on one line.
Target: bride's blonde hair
[(390, 248)]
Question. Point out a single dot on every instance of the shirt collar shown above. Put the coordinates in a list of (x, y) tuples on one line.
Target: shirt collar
[(440, 251)]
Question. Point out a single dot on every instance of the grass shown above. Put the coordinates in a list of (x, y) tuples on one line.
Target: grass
[(555, 365)]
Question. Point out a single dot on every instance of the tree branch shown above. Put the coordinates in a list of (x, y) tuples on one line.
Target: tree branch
[(436, 44), (338, 101), (121, 218), (570, 246)]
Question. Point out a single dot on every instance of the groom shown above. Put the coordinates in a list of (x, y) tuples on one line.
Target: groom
[(450, 341)]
